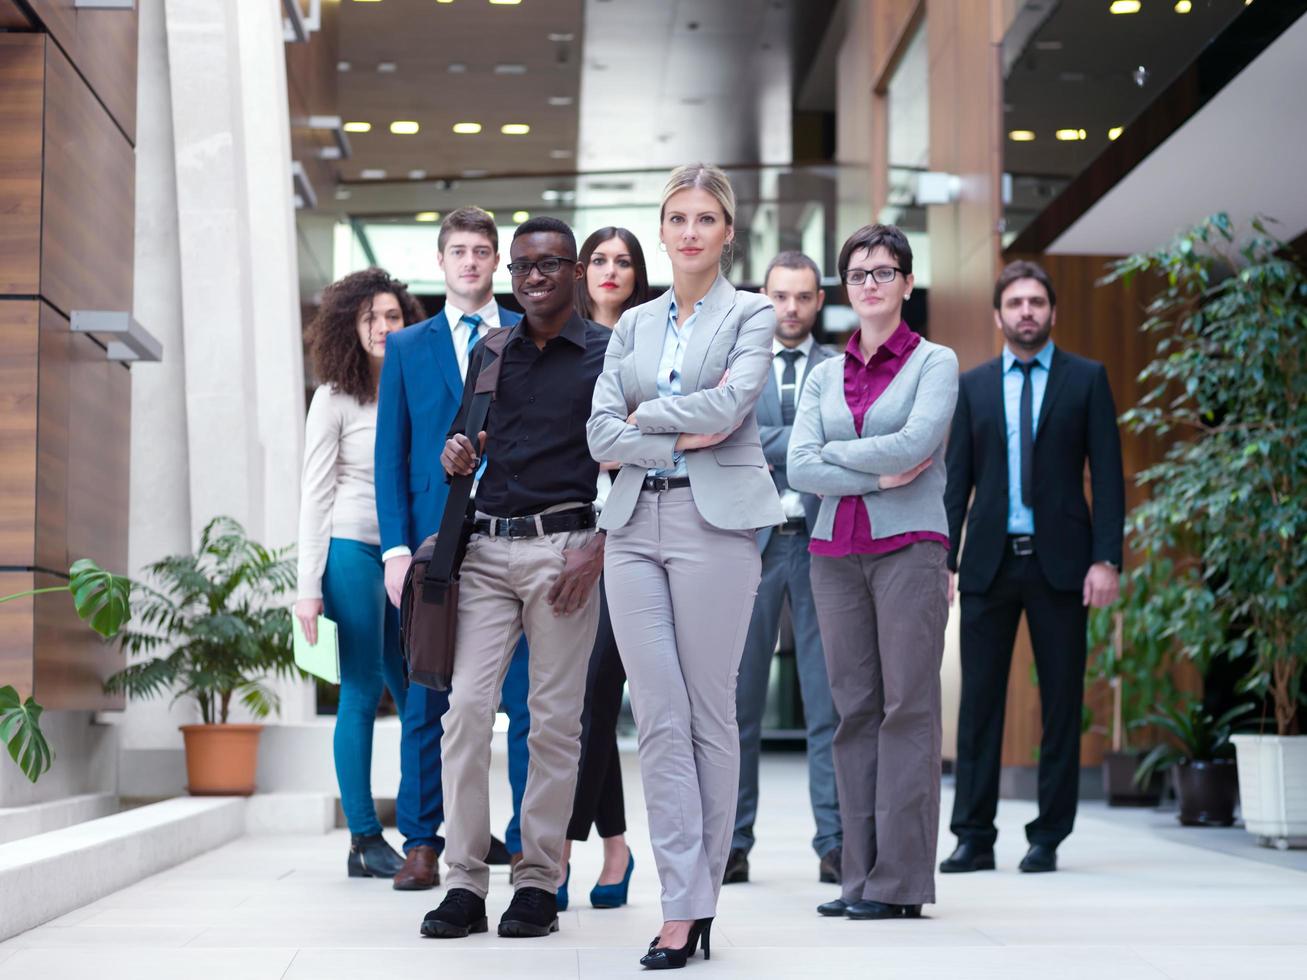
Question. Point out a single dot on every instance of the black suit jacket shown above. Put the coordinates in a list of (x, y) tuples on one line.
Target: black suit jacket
[(1077, 422)]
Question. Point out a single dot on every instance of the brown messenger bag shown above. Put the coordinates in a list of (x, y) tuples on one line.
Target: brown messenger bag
[(428, 611)]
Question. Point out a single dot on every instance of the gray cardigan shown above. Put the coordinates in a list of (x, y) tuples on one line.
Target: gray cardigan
[(904, 426)]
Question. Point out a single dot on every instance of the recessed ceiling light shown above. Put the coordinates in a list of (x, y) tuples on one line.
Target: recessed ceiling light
[(467, 128), (1021, 136), (515, 129), (387, 67), (417, 175), (1069, 135), (562, 37), (444, 1), (342, 193), (520, 216), (343, 66), (510, 69), (561, 100), (456, 68), (560, 154), (427, 216), (1115, 131), (358, 127), (1125, 6), (372, 174), (1183, 6), (504, 3), (404, 127)]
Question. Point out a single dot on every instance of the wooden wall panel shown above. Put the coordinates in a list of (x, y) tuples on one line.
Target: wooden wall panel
[(22, 79), (89, 198), (311, 79), (16, 665), (18, 419), (12, 17), (72, 660)]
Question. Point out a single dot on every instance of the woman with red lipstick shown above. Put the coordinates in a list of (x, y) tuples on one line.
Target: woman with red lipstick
[(675, 407), (615, 281)]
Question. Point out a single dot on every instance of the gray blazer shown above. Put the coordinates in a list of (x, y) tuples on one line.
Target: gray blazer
[(776, 438), (732, 488), (905, 425)]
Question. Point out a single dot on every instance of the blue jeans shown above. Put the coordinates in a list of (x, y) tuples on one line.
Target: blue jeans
[(420, 807), (354, 595)]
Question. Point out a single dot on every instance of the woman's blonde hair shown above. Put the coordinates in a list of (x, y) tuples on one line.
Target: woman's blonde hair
[(706, 177)]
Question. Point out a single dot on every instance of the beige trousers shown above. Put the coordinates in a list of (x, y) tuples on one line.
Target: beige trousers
[(501, 595)]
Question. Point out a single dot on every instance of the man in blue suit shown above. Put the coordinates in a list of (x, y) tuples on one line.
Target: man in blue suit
[(421, 388)]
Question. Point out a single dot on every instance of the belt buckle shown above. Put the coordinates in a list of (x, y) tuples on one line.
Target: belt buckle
[(661, 484), (1023, 545)]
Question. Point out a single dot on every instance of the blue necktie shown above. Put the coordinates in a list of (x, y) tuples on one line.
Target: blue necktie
[(473, 335)]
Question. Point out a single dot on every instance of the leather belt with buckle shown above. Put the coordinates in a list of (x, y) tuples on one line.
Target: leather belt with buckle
[(536, 525), (1021, 545), (660, 484), (793, 525)]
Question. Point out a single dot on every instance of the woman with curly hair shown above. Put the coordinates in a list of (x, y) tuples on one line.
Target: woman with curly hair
[(340, 568)]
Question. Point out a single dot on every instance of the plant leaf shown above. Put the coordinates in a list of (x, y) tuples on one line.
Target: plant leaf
[(102, 599), (20, 730)]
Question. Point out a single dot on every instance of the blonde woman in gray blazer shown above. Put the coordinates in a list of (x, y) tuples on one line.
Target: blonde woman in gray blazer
[(675, 406), (869, 437)]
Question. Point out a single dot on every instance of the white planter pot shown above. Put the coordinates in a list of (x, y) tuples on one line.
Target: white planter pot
[(1273, 787)]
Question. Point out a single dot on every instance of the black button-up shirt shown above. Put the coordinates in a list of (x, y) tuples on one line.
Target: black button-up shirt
[(536, 449)]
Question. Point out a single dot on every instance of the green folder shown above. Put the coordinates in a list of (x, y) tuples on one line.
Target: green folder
[(321, 659)]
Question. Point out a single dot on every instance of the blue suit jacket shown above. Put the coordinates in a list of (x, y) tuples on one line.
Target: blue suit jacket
[(419, 396)]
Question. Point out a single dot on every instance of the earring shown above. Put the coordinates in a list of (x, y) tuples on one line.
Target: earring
[(662, 247)]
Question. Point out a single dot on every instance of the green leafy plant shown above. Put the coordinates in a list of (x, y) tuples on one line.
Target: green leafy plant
[(1198, 737), (1229, 499), (215, 612), (103, 601)]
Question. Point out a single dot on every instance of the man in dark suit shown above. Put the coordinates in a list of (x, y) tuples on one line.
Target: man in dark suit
[(421, 388), (793, 284), (1026, 424)]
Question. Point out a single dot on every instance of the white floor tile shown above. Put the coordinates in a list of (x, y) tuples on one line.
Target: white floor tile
[(145, 961)]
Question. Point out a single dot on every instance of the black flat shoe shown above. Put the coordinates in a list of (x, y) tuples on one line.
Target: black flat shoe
[(371, 857), (834, 908), (462, 912), (867, 909), (737, 867), (829, 870), (533, 912), (968, 857), (661, 958), (1040, 858)]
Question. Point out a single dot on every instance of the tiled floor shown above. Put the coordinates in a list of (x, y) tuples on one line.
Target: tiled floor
[(1131, 902)]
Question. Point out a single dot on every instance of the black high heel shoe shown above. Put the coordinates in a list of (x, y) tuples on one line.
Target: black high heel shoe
[(662, 958)]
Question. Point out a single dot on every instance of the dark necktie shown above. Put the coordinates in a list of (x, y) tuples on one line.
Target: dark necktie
[(1027, 434), (789, 382), (473, 330)]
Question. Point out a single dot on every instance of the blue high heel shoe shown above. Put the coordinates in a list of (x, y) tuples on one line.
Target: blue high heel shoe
[(614, 896), (561, 896)]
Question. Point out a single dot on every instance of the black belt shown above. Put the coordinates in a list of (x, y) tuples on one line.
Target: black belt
[(1021, 545), (793, 525), (534, 525), (660, 483)]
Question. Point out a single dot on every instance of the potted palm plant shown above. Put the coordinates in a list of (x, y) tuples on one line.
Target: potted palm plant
[(1202, 760), (209, 626), (1229, 389)]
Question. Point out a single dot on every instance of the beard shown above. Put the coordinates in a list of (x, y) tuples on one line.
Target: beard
[(1028, 334)]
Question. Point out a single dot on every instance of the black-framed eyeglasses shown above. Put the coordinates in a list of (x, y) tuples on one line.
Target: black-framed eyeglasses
[(882, 274), (547, 266)]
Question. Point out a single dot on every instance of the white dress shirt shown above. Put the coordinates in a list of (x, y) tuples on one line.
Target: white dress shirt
[(790, 499), (489, 320)]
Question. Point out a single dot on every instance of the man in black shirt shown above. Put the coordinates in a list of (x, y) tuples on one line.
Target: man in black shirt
[(532, 565)]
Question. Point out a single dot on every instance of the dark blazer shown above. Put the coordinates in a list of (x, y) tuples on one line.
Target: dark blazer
[(776, 438), (418, 398), (1077, 422)]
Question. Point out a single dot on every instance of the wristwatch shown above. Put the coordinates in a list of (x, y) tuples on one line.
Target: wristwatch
[(1109, 563)]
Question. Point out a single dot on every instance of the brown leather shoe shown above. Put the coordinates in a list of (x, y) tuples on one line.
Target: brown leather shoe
[(421, 870), (514, 860)]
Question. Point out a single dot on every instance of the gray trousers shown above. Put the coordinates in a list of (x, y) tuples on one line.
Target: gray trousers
[(882, 625), (785, 570), (680, 593)]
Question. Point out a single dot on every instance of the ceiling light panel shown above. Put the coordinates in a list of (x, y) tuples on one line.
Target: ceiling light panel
[(358, 127), (1125, 6), (404, 127), (467, 128), (515, 129)]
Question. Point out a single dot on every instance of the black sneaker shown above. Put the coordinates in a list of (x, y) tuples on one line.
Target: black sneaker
[(461, 912), (533, 912)]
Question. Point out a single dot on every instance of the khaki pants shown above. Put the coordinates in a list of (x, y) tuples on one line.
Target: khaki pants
[(501, 595)]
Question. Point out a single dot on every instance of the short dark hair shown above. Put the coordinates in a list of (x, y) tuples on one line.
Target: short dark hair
[(793, 260), (1023, 269), (639, 295), (872, 237), (468, 219), (548, 225)]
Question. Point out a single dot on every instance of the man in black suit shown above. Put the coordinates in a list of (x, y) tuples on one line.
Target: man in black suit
[(1026, 423)]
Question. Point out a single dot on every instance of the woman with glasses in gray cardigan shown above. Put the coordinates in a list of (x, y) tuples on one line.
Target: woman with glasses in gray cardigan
[(869, 438)]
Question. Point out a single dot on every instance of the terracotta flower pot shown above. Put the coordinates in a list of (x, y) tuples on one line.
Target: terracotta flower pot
[(221, 760), (1207, 792)]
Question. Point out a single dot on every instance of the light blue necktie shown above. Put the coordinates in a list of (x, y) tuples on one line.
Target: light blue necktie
[(473, 335)]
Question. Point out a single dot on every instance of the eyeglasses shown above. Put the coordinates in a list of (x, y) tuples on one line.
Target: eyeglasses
[(882, 274), (547, 266)]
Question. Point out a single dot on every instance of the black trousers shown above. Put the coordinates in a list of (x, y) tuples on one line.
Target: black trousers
[(1057, 633), (599, 800)]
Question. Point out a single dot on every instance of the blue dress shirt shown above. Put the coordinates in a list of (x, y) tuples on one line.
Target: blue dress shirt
[(1020, 518), (669, 371)]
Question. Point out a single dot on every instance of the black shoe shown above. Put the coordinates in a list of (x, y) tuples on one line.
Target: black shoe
[(532, 912), (371, 857), (662, 958), (968, 857), (1040, 858), (737, 868), (461, 912), (829, 870), (834, 908), (882, 910), (498, 853)]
